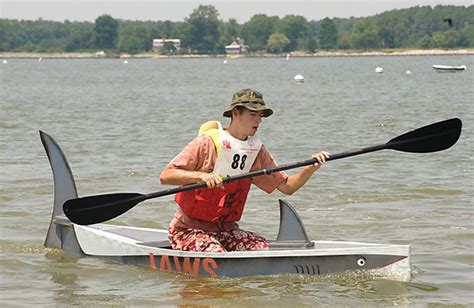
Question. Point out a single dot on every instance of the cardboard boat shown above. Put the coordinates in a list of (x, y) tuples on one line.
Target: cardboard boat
[(290, 253)]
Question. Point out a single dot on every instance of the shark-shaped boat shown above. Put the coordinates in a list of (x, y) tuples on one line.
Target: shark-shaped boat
[(290, 253)]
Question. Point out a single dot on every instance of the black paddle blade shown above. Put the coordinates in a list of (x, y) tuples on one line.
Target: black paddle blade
[(431, 138), (94, 209)]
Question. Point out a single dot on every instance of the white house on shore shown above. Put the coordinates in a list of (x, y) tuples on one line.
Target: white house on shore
[(159, 43), (236, 47)]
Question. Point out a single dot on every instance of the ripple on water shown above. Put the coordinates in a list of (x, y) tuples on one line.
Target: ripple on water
[(12, 247), (437, 192)]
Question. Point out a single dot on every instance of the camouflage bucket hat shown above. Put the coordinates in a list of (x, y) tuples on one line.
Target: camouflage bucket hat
[(250, 99)]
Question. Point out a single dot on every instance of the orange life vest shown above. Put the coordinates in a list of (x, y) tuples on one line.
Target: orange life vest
[(216, 204)]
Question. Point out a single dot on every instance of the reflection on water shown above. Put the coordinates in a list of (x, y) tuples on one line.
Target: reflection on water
[(62, 268), (292, 290)]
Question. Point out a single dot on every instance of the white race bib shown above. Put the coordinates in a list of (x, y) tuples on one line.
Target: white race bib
[(235, 156)]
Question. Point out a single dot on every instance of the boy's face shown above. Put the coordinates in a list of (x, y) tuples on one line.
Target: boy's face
[(248, 121)]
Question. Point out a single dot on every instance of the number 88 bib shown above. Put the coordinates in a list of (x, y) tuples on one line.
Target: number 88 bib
[(234, 156)]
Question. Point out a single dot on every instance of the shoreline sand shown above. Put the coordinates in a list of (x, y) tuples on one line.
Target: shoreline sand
[(336, 53)]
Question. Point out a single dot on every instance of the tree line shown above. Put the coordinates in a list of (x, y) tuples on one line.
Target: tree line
[(202, 32)]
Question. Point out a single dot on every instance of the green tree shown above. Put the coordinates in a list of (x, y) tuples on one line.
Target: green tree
[(81, 37), (327, 34), (130, 44), (425, 42), (167, 29), (134, 38), (293, 27), (201, 32), (467, 36), (365, 35), (105, 31), (257, 30), (277, 42), (386, 37), (344, 40), (311, 45), (448, 39), (7, 35)]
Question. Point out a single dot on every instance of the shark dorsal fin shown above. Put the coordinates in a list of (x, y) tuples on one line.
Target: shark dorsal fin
[(291, 226)]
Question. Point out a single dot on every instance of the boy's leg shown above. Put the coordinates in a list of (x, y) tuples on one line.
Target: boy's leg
[(195, 240), (241, 240)]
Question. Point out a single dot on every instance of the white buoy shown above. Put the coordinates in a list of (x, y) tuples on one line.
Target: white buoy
[(379, 70), (125, 62), (299, 78), (225, 61), (409, 72), (5, 61)]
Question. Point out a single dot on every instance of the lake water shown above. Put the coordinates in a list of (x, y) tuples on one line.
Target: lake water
[(119, 124)]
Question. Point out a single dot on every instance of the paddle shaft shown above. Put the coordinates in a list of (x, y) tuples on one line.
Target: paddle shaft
[(389, 145), (137, 198), (267, 171)]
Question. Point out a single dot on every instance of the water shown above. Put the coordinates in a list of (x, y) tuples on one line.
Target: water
[(119, 124)]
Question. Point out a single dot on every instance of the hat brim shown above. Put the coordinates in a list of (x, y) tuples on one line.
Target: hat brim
[(250, 106)]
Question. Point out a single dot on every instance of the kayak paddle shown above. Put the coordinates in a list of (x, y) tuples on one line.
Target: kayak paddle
[(99, 208)]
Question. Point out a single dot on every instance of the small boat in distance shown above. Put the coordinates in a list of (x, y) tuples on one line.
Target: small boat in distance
[(449, 68)]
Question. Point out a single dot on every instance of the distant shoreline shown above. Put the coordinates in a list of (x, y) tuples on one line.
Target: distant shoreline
[(336, 53)]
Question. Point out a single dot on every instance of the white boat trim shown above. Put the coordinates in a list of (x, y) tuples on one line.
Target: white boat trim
[(97, 240)]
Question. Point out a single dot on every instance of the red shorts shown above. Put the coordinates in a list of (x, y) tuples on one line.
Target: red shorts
[(201, 241)]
